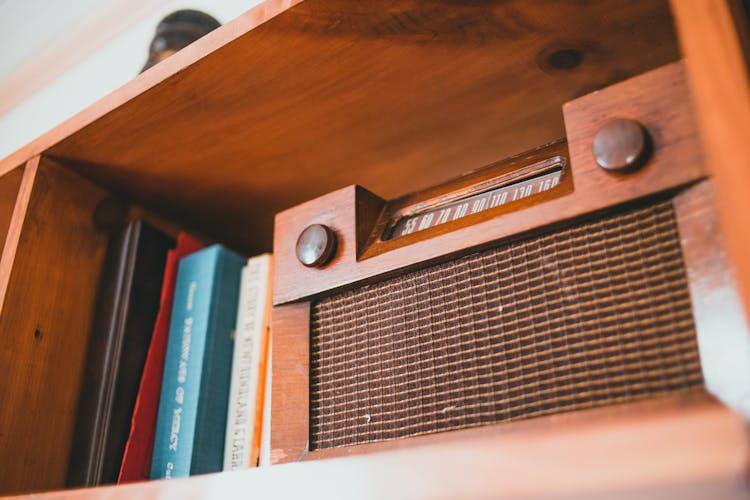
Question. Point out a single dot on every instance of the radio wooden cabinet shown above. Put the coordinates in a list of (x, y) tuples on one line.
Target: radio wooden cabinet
[(478, 132)]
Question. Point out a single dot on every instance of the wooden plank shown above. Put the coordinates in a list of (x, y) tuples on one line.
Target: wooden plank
[(720, 325), (658, 99), (716, 61), (290, 413), (395, 96), (16, 223), (10, 184), (680, 448), (144, 82), (52, 262)]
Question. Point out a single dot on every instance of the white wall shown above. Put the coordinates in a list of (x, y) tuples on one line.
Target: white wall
[(96, 60)]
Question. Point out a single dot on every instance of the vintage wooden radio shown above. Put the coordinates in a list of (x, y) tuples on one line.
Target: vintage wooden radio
[(585, 273)]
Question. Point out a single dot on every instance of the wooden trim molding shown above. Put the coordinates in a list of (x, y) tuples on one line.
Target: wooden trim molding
[(290, 415), (716, 64), (720, 325), (16, 223)]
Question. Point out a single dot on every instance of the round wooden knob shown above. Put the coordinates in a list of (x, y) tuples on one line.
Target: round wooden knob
[(316, 245), (621, 145)]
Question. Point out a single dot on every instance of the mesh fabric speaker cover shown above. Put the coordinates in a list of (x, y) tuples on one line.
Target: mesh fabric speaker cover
[(590, 315)]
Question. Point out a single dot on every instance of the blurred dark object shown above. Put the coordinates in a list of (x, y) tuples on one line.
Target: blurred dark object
[(176, 31)]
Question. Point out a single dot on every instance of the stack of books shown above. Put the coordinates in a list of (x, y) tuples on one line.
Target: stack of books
[(176, 368)]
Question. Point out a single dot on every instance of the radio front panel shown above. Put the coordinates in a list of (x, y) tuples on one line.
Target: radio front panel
[(555, 281), (593, 314)]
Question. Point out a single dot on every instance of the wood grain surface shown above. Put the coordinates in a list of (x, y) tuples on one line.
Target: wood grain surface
[(290, 415), (658, 99), (720, 323), (15, 225), (9, 185), (680, 448), (147, 80), (714, 38), (395, 96), (45, 322)]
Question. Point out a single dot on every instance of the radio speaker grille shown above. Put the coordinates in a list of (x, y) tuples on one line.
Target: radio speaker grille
[(590, 315)]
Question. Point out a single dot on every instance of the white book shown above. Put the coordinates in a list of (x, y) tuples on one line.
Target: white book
[(246, 388)]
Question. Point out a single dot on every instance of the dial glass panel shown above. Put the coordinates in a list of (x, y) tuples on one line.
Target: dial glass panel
[(504, 191)]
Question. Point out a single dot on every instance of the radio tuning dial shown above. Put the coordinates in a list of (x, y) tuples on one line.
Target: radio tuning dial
[(316, 245), (621, 145)]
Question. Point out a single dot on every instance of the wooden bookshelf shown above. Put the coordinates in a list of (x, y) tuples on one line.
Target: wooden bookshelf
[(293, 100)]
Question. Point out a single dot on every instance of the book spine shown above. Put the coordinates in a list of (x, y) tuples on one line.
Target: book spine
[(127, 308), (87, 448), (251, 330), (261, 357), (208, 450), (183, 364), (141, 306), (264, 453)]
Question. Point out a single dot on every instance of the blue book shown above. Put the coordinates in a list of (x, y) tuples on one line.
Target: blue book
[(192, 416)]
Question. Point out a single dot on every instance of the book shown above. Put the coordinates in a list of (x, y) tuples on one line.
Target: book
[(136, 461), (192, 416), (126, 309), (247, 387), (264, 457)]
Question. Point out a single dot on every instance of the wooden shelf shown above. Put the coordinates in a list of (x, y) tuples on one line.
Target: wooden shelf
[(681, 447), (291, 101)]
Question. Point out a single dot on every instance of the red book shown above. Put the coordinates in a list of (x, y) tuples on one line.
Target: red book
[(136, 462)]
